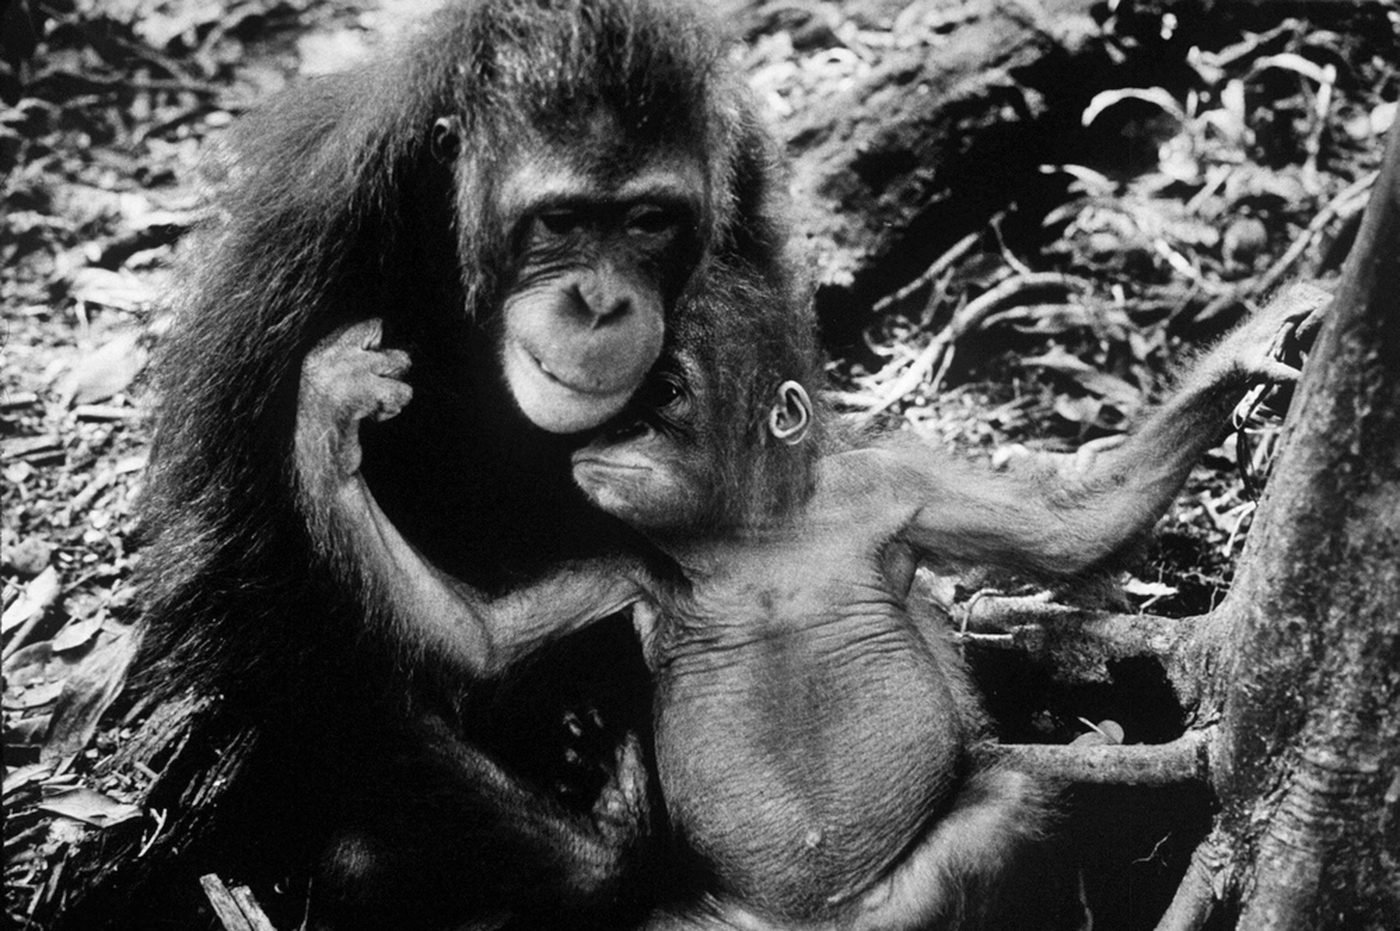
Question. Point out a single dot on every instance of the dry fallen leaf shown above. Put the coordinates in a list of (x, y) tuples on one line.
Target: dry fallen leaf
[(42, 591), (89, 807), (105, 371), (88, 692)]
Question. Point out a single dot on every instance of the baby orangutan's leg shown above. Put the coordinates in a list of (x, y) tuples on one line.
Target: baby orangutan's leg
[(963, 858), (949, 879)]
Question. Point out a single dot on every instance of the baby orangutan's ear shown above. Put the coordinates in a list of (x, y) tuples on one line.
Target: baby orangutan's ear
[(792, 415)]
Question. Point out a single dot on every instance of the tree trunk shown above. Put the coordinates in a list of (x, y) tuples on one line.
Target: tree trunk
[(1295, 678), (1304, 655)]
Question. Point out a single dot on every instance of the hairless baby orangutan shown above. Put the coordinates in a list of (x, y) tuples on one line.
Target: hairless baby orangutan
[(815, 745)]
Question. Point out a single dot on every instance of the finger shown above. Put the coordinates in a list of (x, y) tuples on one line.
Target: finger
[(369, 333), (391, 363), (393, 398), (1307, 329), (1302, 307), (362, 334), (1275, 371)]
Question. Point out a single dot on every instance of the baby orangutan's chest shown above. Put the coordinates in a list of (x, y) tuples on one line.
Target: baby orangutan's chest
[(795, 739)]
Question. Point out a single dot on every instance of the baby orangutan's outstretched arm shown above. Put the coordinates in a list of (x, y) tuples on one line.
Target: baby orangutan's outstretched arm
[(1055, 515)]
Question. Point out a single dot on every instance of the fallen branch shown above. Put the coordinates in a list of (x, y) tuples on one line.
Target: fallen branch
[(236, 908), (1076, 645), (1195, 899), (1181, 761), (969, 318)]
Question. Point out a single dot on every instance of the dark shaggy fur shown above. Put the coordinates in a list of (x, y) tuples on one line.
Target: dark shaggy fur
[(331, 209), (334, 212)]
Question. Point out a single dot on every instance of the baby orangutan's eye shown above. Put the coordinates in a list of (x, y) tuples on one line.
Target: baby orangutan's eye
[(662, 393)]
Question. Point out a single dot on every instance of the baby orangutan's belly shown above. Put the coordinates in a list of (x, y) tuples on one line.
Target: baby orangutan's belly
[(798, 774)]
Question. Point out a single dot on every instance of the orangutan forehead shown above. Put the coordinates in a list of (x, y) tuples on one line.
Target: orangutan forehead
[(549, 176)]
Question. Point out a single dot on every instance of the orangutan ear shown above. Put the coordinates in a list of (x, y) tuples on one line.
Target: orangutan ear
[(791, 415), (446, 140)]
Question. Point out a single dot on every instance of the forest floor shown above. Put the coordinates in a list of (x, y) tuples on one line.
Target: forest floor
[(1257, 174)]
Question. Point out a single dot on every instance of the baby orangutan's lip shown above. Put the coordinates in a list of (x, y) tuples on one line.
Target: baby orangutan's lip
[(592, 459)]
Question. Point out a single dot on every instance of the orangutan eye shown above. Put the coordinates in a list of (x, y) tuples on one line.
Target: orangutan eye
[(651, 221), (561, 222), (664, 392)]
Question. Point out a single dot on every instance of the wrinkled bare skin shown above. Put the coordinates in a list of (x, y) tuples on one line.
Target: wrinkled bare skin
[(811, 737)]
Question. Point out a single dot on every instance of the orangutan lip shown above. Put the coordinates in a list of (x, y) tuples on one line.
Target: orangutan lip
[(577, 389), (583, 459)]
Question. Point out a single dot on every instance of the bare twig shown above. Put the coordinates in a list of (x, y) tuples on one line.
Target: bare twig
[(939, 266), (1262, 284), (101, 412)]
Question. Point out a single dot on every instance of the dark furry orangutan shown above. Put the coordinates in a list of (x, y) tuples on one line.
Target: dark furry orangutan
[(523, 198), (817, 749)]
